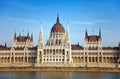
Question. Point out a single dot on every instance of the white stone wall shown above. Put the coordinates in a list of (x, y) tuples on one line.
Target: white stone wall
[(14, 57)]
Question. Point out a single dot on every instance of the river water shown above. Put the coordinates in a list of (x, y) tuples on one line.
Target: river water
[(58, 75)]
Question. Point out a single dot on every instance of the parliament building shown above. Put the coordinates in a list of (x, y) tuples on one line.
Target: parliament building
[(58, 51)]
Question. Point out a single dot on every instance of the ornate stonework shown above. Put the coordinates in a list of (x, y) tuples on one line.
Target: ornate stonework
[(58, 51)]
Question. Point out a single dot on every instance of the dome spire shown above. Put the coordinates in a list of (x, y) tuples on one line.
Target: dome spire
[(58, 18), (57, 27)]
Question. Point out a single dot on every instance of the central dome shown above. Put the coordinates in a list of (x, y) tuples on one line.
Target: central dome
[(57, 27)]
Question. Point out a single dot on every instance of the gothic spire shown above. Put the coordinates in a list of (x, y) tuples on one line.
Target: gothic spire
[(5, 45), (78, 42), (41, 27), (41, 33), (32, 36), (86, 34), (41, 40), (28, 34), (68, 30), (68, 34), (19, 35), (99, 32), (58, 18), (15, 35)]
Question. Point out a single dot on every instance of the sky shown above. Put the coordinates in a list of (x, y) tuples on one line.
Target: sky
[(25, 16)]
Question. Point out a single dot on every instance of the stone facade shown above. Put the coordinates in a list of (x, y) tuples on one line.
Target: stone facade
[(58, 51)]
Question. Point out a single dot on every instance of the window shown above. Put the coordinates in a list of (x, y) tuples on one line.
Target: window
[(67, 52), (67, 59)]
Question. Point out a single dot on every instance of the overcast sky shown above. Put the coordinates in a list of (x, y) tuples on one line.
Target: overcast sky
[(26, 15)]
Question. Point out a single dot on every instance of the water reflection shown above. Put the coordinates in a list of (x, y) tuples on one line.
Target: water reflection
[(58, 75)]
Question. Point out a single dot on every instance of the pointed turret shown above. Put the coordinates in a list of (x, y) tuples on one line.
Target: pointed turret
[(19, 35), (99, 32), (68, 34), (119, 50), (40, 45), (86, 34), (119, 45), (78, 43), (41, 33), (15, 35), (32, 36), (28, 34), (5, 45), (41, 41), (67, 31), (68, 42)]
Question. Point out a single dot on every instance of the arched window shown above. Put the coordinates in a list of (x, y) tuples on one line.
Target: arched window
[(59, 42)]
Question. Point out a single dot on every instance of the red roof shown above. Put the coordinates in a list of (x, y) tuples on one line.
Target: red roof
[(23, 38), (4, 48), (93, 38), (57, 28), (22, 48), (110, 48), (76, 47)]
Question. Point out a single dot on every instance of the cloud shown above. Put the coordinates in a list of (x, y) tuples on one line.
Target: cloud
[(23, 20), (90, 22)]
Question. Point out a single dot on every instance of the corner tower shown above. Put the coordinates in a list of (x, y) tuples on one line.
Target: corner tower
[(40, 47), (92, 44), (22, 41)]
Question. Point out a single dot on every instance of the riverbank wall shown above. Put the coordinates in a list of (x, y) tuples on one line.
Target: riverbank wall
[(80, 69)]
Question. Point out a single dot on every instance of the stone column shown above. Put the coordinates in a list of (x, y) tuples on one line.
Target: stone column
[(70, 57), (27, 57), (65, 56), (14, 60), (24, 57), (87, 57), (38, 54), (101, 56), (10, 57), (42, 60), (98, 57), (84, 56)]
